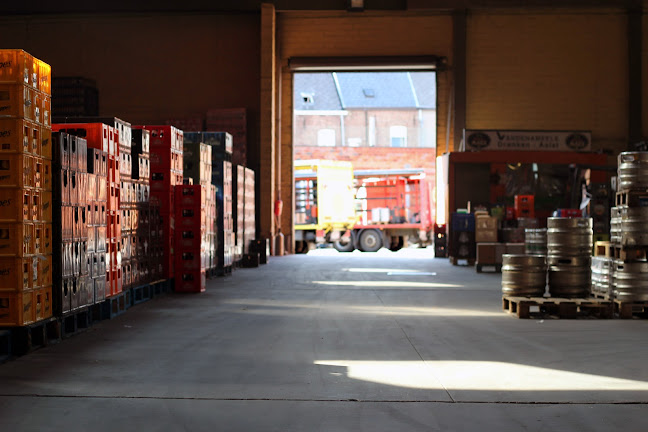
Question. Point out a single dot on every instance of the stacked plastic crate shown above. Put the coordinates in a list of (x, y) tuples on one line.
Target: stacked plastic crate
[(222, 177), (73, 287), (166, 154), (249, 230), (96, 204), (127, 201), (191, 246), (239, 211), (146, 261), (103, 137), (193, 243), (25, 189)]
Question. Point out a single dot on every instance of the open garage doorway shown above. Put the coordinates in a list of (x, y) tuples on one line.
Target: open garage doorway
[(364, 149)]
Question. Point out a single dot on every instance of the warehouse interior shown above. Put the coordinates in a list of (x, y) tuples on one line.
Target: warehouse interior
[(368, 340)]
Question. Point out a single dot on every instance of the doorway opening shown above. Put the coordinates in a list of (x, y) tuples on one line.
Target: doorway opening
[(364, 155)]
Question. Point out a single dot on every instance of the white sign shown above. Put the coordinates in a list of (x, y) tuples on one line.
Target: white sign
[(479, 140)]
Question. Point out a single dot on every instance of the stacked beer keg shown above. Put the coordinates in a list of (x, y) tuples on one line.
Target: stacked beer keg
[(569, 255), (629, 228)]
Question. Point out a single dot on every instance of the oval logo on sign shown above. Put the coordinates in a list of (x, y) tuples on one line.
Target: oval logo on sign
[(478, 140), (577, 141)]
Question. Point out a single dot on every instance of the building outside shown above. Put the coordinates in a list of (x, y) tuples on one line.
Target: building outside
[(376, 120)]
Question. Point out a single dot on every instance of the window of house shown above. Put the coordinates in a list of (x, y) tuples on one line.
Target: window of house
[(326, 138), (398, 136), (354, 142)]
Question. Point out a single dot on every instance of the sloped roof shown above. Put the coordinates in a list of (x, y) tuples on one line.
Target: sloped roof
[(375, 90), (364, 90), (425, 87), (322, 88)]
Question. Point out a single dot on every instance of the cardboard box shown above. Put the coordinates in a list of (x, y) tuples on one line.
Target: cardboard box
[(490, 253), (485, 229), (515, 249)]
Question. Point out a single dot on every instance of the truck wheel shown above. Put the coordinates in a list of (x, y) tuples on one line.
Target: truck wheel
[(370, 240), (301, 247), (396, 243), (344, 247)]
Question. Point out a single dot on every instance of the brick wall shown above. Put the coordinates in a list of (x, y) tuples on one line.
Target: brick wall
[(356, 127)]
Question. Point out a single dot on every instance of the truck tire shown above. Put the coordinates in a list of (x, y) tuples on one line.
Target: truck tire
[(370, 240), (301, 247), (344, 247), (396, 243)]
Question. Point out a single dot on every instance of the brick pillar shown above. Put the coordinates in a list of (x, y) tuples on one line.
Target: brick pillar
[(266, 177)]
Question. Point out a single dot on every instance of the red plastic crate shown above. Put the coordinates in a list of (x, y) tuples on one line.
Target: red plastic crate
[(191, 282), (98, 135), (524, 206), (165, 136)]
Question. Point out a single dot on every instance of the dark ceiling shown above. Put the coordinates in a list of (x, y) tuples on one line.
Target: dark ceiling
[(49, 7)]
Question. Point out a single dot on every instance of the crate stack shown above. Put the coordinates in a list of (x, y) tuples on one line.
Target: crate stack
[(198, 159), (72, 287), (191, 244), (249, 222), (222, 178), (146, 260), (166, 157), (127, 201), (238, 181), (629, 237), (103, 137), (462, 238), (97, 207), (26, 238)]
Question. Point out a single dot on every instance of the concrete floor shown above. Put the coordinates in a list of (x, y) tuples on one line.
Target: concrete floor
[(335, 342)]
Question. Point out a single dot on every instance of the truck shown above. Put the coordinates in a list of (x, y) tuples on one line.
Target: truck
[(382, 208)]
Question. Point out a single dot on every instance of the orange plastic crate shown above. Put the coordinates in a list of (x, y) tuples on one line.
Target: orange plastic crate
[(17, 170), (19, 136), (19, 67), (16, 273), (19, 101), (17, 309), (17, 239), (45, 210), (43, 269), (46, 142), (43, 303), (44, 77), (45, 172), (15, 205)]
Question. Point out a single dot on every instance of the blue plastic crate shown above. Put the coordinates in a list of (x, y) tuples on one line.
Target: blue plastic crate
[(462, 222)]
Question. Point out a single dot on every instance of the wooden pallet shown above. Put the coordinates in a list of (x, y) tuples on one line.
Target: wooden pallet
[(455, 261), (540, 307), (497, 268), (601, 296), (627, 310)]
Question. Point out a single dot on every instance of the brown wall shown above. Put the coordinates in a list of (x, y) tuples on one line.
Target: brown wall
[(153, 67), (549, 72)]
